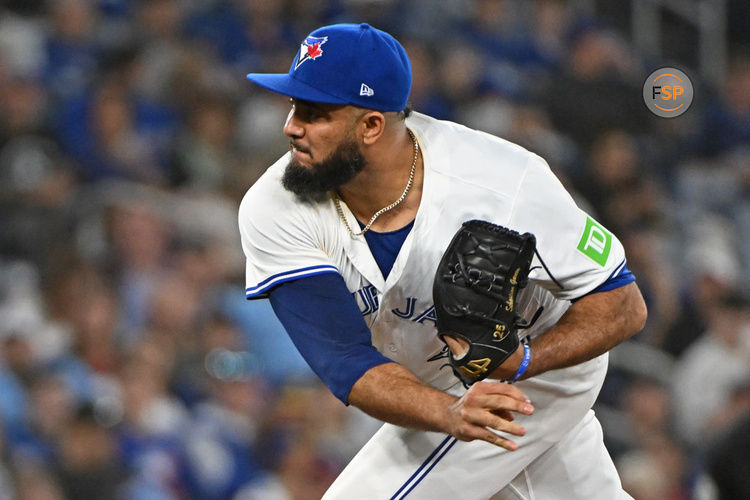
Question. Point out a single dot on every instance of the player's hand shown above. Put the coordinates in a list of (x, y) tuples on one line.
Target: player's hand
[(486, 406)]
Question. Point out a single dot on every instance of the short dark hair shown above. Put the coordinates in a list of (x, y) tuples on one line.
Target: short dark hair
[(406, 112)]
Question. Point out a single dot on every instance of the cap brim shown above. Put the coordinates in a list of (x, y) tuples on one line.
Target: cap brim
[(286, 85)]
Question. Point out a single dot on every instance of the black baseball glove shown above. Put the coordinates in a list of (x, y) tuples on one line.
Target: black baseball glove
[(475, 290)]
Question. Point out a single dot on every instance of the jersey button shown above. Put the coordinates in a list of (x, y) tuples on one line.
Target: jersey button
[(392, 347)]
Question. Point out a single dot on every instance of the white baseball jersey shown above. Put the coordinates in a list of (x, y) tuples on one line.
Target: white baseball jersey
[(467, 175)]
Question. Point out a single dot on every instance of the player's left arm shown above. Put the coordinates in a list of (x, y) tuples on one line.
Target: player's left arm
[(588, 263), (590, 327)]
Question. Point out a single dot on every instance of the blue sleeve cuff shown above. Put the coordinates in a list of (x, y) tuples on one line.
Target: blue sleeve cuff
[(261, 290), (619, 277), (323, 320)]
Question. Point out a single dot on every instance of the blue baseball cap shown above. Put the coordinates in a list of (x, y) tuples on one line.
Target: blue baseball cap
[(346, 64)]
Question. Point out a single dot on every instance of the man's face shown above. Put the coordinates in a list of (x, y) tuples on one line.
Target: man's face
[(325, 153)]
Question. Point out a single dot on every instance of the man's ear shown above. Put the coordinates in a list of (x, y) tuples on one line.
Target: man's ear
[(371, 126)]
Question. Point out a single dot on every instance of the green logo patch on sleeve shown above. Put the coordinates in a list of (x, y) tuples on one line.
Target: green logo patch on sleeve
[(596, 242)]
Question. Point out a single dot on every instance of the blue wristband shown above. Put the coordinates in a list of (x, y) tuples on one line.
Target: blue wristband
[(524, 363)]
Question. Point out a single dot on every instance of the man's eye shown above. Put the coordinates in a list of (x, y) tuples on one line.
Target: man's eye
[(308, 114), (305, 112)]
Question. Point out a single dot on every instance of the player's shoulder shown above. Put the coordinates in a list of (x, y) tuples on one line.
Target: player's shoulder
[(263, 191), (462, 152), (267, 200), (462, 140)]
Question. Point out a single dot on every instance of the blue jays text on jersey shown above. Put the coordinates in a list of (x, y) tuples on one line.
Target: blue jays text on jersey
[(368, 302)]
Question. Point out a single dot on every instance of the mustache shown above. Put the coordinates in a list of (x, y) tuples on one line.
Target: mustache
[(299, 148)]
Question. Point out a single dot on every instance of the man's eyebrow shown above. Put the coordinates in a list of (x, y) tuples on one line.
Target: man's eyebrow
[(303, 102), (322, 107)]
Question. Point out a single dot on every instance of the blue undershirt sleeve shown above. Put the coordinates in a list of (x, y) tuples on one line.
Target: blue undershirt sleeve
[(325, 324), (621, 277)]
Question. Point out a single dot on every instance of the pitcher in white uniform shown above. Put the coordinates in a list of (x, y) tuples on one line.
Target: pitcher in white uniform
[(344, 233)]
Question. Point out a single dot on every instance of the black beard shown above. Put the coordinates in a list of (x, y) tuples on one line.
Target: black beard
[(313, 183)]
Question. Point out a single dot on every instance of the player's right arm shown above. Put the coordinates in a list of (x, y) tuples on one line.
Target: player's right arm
[(393, 394), (325, 325)]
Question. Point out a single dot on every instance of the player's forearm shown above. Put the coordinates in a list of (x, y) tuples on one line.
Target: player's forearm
[(392, 393), (589, 328)]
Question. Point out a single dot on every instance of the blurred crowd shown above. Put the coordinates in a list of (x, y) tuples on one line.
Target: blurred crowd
[(131, 365)]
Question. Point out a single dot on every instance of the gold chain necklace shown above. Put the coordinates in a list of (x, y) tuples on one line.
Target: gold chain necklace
[(393, 205)]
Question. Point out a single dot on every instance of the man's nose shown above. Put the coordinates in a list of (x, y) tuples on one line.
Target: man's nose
[(292, 127)]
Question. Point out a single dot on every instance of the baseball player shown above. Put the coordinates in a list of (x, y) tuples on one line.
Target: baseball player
[(344, 234)]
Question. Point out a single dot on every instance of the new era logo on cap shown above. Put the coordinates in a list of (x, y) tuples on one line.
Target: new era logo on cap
[(365, 90)]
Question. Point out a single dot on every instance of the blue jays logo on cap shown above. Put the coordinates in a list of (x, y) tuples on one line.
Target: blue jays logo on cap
[(310, 49), (360, 66)]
